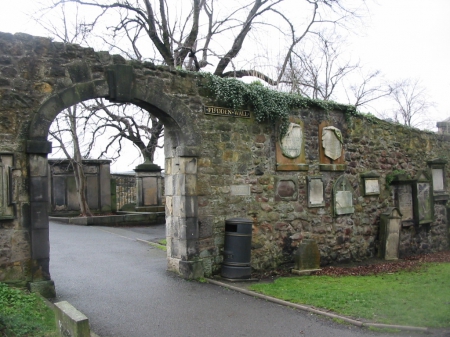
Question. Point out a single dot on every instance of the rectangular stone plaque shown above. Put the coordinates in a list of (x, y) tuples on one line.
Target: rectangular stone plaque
[(344, 202), (438, 179), (150, 191), (404, 202), (240, 189), (7, 209), (372, 186), (315, 192)]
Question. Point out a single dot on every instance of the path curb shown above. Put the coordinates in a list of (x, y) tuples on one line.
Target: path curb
[(316, 311)]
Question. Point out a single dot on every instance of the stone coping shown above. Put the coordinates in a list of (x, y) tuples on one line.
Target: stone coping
[(126, 219)]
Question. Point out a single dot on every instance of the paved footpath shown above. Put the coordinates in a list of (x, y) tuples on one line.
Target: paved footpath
[(122, 285)]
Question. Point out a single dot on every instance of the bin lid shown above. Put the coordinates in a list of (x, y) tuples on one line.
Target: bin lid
[(239, 221)]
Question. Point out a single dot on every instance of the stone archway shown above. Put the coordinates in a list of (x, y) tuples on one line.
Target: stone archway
[(181, 151)]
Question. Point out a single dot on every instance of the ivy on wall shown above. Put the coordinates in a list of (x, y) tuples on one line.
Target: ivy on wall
[(267, 104)]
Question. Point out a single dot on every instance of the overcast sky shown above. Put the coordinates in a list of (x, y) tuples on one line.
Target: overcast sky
[(402, 38)]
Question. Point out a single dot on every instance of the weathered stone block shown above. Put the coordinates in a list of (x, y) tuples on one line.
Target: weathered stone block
[(71, 322)]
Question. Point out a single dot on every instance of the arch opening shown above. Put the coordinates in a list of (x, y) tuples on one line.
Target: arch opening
[(180, 149)]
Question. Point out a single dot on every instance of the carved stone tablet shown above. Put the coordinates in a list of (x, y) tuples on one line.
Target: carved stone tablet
[(343, 196), (240, 189), (424, 201), (315, 192), (372, 186), (332, 142), (404, 202), (291, 144), (438, 179)]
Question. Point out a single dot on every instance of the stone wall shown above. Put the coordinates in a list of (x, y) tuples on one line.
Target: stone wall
[(217, 166)]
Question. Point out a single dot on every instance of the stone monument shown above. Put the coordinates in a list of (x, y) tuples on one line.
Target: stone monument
[(307, 258), (149, 187)]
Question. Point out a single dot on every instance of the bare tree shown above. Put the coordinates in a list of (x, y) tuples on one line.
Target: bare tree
[(412, 104), (368, 89), (318, 72), (121, 121), (68, 123), (178, 31)]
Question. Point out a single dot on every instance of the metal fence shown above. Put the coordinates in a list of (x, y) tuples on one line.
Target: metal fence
[(125, 189)]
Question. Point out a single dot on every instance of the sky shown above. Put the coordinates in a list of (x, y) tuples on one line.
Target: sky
[(401, 38)]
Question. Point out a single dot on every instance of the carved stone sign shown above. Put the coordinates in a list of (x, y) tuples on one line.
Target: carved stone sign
[(390, 223), (332, 142), (424, 201), (217, 111), (404, 202), (290, 149), (315, 192), (286, 189), (372, 186), (292, 142), (343, 196), (7, 209), (240, 189), (438, 179)]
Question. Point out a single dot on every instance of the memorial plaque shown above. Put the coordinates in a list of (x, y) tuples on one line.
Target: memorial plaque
[(425, 211), (93, 191), (290, 150), (7, 209), (315, 192), (292, 142), (286, 189), (332, 142), (150, 191), (343, 196), (390, 225), (438, 179), (240, 189), (372, 186), (3, 188), (404, 202)]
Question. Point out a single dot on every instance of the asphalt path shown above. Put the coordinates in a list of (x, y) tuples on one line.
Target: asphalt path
[(123, 287)]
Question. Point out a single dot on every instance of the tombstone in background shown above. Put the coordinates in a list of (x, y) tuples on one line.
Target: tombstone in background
[(63, 190), (7, 204), (390, 225), (444, 126), (343, 197), (307, 258), (149, 187), (403, 198)]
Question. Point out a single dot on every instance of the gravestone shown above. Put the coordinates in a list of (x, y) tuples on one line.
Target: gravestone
[(390, 225), (403, 198), (370, 183), (307, 258), (286, 189), (315, 192), (290, 149), (424, 210), (149, 187), (63, 190), (7, 206), (343, 196), (332, 142)]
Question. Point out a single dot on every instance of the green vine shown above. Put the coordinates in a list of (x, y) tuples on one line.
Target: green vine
[(391, 176), (268, 104)]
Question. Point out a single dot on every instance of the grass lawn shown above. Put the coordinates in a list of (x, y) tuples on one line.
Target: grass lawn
[(23, 314), (418, 298)]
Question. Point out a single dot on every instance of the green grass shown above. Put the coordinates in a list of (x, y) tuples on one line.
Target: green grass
[(23, 314), (419, 298), (161, 244)]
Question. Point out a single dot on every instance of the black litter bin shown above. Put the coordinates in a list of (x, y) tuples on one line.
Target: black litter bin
[(237, 249)]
